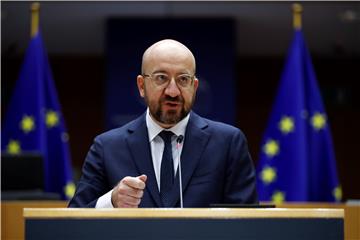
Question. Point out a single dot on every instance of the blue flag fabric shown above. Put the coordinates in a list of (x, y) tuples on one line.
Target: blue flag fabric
[(297, 161), (34, 122)]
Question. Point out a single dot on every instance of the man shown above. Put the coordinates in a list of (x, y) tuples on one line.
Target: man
[(136, 165)]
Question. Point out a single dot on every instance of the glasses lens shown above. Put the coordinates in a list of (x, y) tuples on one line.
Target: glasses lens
[(160, 79), (183, 80)]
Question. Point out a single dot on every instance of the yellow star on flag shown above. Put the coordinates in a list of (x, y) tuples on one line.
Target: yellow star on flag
[(51, 119), (13, 147), (268, 175), (271, 148), (337, 193), (27, 124), (318, 121), (69, 190), (278, 197), (286, 124)]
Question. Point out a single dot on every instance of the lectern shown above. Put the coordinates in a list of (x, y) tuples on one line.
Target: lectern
[(203, 224)]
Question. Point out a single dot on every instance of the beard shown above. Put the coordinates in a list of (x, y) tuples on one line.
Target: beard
[(169, 117)]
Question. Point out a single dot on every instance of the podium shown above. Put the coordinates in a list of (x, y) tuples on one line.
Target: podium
[(203, 224)]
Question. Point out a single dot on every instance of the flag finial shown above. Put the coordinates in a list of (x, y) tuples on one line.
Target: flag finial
[(297, 11), (35, 9)]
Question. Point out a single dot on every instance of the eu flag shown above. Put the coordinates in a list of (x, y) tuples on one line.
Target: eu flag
[(297, 161), (34, 122)]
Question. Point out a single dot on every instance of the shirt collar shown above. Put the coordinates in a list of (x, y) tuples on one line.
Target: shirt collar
[(154, 129)]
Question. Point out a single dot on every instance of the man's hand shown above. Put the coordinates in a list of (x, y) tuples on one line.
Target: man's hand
[(128, 192)]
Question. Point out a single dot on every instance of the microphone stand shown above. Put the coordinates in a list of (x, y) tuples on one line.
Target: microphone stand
[(179, 141)]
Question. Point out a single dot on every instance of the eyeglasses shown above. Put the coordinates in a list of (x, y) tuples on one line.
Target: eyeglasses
[(163, 80)]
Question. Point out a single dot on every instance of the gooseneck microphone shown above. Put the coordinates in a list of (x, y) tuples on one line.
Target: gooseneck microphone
[(179, 141)]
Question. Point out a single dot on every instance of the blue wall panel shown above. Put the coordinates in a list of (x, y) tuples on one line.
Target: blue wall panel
[(212, 41)]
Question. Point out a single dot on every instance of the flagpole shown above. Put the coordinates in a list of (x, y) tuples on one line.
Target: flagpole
[(297, 11), (35, 9)]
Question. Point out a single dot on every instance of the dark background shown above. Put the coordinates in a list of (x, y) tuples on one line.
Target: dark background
[(74, 35), (215, 68)]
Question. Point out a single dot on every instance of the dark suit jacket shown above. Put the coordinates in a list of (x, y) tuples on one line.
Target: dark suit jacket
[(216, 165)]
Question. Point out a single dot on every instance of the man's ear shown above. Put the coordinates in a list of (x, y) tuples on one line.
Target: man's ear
[(141, 85), (196, 84)]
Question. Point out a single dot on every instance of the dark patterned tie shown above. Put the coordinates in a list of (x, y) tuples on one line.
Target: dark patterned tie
[(167, 169)]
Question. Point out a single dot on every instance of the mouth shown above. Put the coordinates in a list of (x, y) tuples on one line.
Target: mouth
[(171, 104)]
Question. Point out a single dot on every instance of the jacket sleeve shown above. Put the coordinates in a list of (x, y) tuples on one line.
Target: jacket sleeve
[(93, 182), (240, 174)]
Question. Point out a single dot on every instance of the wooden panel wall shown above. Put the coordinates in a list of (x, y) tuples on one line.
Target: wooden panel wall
[(12, 221)]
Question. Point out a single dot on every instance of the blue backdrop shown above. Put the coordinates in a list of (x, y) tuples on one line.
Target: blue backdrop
[(212, 41)]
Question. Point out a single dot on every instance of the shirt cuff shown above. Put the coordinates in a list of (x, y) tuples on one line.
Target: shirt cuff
[(105, 201)]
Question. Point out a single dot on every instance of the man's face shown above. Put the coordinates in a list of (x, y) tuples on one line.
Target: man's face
[(168, 103)]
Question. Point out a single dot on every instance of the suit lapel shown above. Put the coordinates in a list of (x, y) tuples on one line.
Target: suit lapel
[(194, 144), (138, 143)]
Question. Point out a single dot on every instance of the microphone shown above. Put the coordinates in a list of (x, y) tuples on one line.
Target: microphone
[(178, 145), (180, 139)]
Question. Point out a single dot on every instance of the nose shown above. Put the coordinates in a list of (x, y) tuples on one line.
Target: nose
[(172, 89)]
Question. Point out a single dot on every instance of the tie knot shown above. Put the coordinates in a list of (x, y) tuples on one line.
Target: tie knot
[(166, 136)]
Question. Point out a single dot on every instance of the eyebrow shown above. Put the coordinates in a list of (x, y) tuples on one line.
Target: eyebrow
[(165, 72), (160, 71)]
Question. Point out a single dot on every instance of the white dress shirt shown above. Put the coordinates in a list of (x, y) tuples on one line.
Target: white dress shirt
[(157, 147)]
